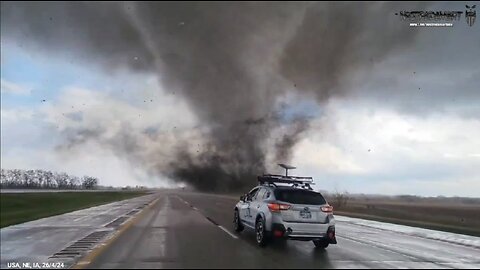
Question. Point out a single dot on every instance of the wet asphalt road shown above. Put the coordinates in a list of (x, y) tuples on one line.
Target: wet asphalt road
[(36, 241), (175, 233)]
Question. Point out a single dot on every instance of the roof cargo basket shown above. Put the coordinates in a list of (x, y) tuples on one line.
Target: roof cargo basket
[(295, 181)]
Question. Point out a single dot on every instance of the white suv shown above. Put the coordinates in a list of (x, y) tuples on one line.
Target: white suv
[(286, 207)]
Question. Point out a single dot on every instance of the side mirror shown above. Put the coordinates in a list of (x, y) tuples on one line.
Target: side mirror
[(242, 198)]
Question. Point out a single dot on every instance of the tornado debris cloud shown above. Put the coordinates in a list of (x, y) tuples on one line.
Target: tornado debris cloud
[(230, 62)]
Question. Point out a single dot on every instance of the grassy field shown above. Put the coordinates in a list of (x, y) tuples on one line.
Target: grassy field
[(17, 208), (450, 217)]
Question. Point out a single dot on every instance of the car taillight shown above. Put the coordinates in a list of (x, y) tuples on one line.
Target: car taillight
[(327, 209), (277, 207), (277, 233)]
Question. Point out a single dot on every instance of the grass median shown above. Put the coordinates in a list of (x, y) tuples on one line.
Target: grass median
[(17, 208)]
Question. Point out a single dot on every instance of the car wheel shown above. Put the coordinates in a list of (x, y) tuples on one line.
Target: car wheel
[(260, 232), (322, 244), (238, 227)]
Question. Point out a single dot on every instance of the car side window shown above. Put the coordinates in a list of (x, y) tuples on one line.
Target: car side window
[(260, 194), (252, 194), (266, 195)]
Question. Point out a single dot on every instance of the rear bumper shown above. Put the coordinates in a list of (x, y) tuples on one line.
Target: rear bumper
[(305, 232)]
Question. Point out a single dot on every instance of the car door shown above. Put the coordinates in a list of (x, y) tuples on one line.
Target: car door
[(256, 204), (245, 214)]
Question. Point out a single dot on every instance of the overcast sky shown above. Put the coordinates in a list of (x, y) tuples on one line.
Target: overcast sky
[(406, 121)]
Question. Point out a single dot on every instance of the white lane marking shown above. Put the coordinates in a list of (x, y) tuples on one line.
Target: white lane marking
[(80, 218), (220, 226), (229, 233), (185, 202)]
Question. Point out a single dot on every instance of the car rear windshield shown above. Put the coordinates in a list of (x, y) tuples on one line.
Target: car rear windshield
[(299, 196)]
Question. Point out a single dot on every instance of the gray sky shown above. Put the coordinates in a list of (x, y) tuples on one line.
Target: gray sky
[(211, 94)]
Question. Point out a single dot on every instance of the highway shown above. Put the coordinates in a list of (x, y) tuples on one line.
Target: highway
[(194, 230)]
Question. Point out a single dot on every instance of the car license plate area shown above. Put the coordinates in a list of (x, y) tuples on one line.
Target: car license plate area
[(305, 214)]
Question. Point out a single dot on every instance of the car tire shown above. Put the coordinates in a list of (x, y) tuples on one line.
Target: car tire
[(321, 244), (260, 232), (237, 224)]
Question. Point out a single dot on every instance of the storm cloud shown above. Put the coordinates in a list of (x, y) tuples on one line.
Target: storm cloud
[(230, 62)]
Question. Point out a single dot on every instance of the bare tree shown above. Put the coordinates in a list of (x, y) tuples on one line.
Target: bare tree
[(44, 179), (89, 182), (74, 182), (340, 199)]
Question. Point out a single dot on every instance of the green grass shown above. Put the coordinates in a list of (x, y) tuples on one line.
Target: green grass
[(17, 208)]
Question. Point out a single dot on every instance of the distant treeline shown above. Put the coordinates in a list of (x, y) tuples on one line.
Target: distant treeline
[(40, 179), (414, 199)]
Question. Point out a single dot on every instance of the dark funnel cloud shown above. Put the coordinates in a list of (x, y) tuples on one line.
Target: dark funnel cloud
[(230, 61)]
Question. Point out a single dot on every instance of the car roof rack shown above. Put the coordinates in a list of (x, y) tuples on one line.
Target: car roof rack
[(296, 181)]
